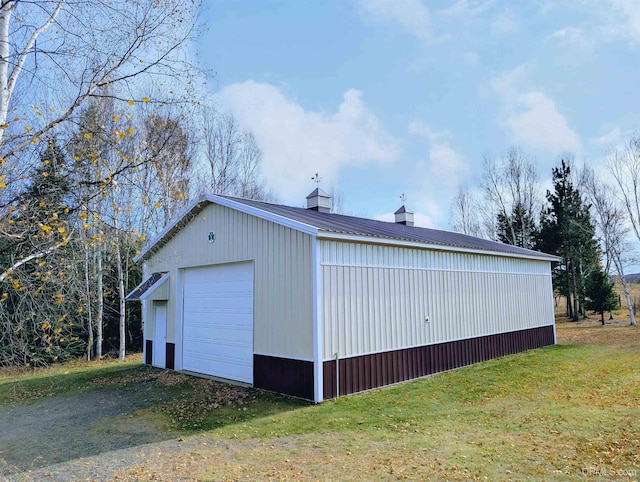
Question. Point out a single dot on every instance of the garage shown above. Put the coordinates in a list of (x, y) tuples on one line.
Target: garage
[(218, 321), (317, 305)]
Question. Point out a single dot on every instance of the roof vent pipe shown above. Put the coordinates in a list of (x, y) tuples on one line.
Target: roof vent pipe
[(404, 216), (319, 201)]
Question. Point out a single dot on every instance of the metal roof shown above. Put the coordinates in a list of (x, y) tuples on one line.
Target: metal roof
[(147, 286), (339, 224)]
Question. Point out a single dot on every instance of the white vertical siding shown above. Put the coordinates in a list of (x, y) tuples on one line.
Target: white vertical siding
[(376, 298), (283, 305)]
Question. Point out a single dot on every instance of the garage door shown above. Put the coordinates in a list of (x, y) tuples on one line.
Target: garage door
[(218, 321)]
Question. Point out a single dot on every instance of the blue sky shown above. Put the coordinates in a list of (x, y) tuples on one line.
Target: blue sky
[(384, 97)]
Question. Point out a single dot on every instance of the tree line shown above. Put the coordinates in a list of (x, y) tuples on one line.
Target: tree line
[(586, 219), (102, 144)]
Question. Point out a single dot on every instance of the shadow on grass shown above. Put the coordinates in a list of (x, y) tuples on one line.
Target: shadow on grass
[(57, 418)]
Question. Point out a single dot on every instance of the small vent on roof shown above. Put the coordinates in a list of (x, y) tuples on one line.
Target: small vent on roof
[(319, 200), (404, 216)]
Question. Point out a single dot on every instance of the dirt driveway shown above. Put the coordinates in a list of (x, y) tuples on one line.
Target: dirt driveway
[(99, 434), (65, 428)]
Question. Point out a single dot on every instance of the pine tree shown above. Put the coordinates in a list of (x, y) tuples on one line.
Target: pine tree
[(518, 229), (600, 293), (39, 298), (566, 230)]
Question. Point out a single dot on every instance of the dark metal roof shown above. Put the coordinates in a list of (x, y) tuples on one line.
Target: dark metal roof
[(318, 192), (146, 285), (350, 225)]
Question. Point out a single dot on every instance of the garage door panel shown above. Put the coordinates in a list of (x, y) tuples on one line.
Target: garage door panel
[(218, 321)]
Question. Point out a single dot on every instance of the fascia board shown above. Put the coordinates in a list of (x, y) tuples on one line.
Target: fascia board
[(439, 247), (262, 214)]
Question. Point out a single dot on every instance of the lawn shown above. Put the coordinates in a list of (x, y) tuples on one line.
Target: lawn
[(562, 412)]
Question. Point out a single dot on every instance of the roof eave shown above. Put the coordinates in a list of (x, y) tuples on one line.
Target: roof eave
[(534, 255)]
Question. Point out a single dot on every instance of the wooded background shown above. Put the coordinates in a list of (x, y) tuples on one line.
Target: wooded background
[(105, 138)]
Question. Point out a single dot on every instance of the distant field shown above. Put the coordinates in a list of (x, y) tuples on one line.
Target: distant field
[(621, 315), (562, 413)]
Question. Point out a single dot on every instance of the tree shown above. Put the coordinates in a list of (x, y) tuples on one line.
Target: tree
[(600, 293), (624, 165), (518, 228), (511, 187), (233, 158), (566, 231), (40, 295), (465, 217), (90, 50), (610, 222)]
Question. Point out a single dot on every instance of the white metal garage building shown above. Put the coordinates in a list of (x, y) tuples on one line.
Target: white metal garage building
[(275, 296)]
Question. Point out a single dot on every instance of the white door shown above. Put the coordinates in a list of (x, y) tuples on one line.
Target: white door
[(159, 350), (218, 321)]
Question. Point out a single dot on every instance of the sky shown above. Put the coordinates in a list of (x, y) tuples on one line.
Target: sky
[(391, 97)]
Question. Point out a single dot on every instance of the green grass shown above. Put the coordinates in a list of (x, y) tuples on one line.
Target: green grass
[(557, 412), (22, 387)]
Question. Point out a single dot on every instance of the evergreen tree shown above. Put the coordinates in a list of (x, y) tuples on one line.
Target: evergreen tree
[(518, 229), (566, 230), (600, 293), (39, 298)]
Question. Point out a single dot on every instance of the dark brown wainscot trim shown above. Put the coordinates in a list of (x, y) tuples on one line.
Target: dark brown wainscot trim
[(148, 352), (283, 375), (171, 356), (379, 369)]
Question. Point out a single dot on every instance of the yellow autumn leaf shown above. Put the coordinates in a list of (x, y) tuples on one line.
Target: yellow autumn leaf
[(4, 126), (57, 299), (157, 205), (130, 130), (61, 230), (130, 102), (27, 128), (116, 117), (86, 135), (46, 325), (145, 99)]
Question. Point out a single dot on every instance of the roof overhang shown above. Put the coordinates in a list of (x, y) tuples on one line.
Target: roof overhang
[(148, 286), (534, 255)]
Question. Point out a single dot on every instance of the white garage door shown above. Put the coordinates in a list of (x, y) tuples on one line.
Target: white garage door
[(218, 321)]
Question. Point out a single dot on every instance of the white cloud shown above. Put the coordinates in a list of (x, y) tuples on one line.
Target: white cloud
[(536, 122), (629, 19), (531, 116), (467, 8), (445, 163), (471, 58), (570, 35), (296, 142), (504, 24), (413, 15), (613, 137)]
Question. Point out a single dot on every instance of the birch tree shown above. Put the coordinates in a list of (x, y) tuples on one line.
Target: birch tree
[(511, 188), (465, 216), (55, 55), (612, 229)]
